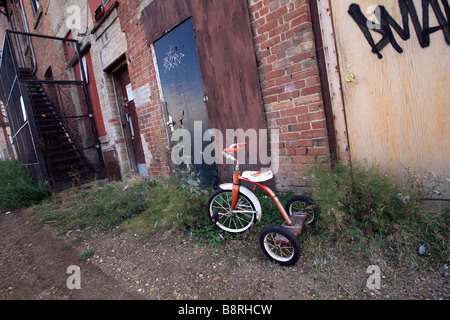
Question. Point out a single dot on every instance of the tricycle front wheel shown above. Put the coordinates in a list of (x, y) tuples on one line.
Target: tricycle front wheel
[(221, 214)]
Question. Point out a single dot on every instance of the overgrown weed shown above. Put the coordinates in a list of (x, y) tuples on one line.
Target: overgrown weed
[(362, 209), (17, 189), (363, 215)]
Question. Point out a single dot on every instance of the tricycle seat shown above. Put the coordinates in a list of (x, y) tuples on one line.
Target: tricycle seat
[(257, 176)]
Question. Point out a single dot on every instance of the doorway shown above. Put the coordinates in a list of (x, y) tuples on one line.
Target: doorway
[(184, 98), (129, 121)]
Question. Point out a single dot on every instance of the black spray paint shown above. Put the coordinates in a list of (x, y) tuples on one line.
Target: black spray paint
[(407, 10)]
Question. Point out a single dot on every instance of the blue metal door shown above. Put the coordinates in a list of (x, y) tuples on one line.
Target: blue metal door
[(184, 98)]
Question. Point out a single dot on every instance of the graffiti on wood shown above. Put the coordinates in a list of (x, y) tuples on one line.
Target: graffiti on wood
[(383, 23)]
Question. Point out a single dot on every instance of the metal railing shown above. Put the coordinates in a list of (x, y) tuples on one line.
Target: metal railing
[(67, 99)]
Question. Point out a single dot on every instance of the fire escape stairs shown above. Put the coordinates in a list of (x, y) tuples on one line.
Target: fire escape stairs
[(3, 8), (65, 162)]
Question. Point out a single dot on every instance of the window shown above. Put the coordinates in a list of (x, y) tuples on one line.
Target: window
[(99, 7), (37, 9), (36, 5)]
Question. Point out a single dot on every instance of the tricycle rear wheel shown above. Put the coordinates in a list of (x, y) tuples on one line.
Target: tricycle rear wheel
[(304, 204), (280, 245)]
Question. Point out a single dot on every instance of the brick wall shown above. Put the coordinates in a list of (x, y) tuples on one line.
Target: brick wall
[(108, 44), (290, 85), (145, 87), (289, 78)]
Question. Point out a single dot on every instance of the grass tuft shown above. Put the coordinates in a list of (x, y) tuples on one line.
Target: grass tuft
[(17, 189)]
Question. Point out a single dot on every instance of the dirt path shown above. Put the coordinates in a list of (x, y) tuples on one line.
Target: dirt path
[(34, 262), (33, 265)]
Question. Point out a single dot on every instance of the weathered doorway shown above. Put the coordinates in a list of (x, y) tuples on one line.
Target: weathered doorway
[(129, 121), (228, 67), (184, 99)]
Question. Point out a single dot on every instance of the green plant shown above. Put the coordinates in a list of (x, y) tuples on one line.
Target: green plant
[(170, 205), (17, 189), (85, 255), (359, 194), (362, 208), (139, 206), (94, 207)]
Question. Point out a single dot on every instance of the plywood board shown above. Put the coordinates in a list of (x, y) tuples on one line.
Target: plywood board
[(398, 114)]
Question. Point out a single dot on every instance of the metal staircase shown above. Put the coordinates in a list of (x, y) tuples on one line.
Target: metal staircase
[(65, 162), (52, 123), (3, 8)]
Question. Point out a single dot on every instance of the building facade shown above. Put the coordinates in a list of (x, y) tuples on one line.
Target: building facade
[(279, 67)]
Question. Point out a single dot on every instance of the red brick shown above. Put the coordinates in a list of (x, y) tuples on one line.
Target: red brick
[(304, 159), (280, 47), (285, 121), (289, 95), (302, 143), (289, 136), (276, 14), (318, 151), (283, 80), (297, 111), (274, 74), (269, 43), (257, 6), (295, 13), (308, 99), (313, 133), (300, 126), (275, 90), (267, 27), (264, 11), (318, 124), (298, 21), (282, 105), (301, 151)]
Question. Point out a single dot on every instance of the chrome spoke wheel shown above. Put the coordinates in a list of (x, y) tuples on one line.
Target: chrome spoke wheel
[(235, 221)]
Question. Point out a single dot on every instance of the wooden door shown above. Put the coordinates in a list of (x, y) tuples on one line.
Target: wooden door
[(397, 107), (129, 120)]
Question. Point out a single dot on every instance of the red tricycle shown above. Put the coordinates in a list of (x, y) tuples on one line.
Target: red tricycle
[(234, 208)]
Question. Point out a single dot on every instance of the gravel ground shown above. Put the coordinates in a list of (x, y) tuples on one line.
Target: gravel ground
[(169, 266)]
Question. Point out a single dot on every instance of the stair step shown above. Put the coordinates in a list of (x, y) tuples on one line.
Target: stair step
[(46, 112), (67, 167), (67, 161), (60, 152), (57, 134), (43, 106), (50, 125), (63, 146), (38, 95), (43, 121)]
